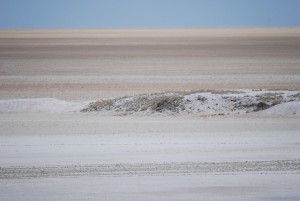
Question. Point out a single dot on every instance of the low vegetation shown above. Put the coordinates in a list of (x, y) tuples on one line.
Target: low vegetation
[(194, 102)]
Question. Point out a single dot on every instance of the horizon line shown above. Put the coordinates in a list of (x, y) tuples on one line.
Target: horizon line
[(149, 28)]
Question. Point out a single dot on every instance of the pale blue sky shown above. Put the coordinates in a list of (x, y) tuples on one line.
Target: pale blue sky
[(148, 13)]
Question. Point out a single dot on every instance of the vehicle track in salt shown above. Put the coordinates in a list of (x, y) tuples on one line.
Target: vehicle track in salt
[(147, 169)]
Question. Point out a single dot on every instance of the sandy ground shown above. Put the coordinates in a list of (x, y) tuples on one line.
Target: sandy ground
[(93, 64), (88, 156)]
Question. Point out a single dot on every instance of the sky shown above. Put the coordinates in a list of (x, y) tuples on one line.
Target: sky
[(19, 14)]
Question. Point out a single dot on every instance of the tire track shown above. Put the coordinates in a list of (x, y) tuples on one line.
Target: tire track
[(17, 172)]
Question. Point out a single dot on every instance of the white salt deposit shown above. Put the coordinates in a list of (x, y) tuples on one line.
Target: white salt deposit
[(283, 109), (204, 103), (47, 105)]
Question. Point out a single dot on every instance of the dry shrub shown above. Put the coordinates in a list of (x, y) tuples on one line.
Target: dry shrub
[(223, 92), (297, 95), (262, 106), (201, 98), (167, 103), (271, 98), (99, 105)]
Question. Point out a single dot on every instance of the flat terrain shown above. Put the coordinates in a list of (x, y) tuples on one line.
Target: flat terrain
[(86, 156), (93, 64), (49, 153)]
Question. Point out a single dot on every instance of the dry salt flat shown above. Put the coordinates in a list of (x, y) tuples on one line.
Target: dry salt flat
[(67, 156), (212, 145), (150, 114)]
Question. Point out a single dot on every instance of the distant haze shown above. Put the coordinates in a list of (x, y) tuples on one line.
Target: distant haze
[(15, 14)]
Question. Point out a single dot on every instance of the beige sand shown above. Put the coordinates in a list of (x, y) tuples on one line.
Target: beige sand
[(93, 64)]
